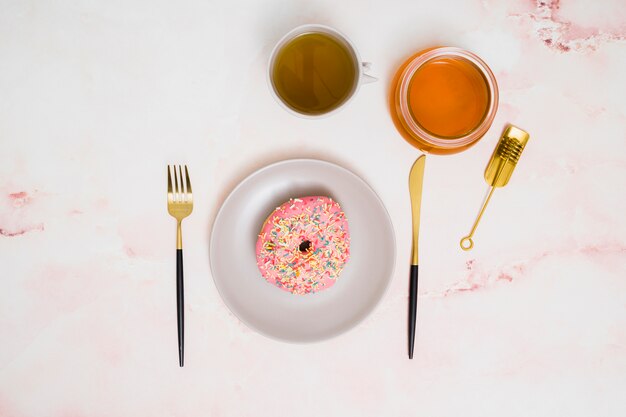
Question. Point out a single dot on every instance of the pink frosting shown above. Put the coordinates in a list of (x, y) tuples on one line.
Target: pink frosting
[(304, 245)]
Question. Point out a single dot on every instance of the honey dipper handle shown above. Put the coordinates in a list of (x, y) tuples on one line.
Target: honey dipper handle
[(467, 243)]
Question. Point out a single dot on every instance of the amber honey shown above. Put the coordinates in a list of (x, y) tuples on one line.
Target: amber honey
[(448, 97), (443, 100)]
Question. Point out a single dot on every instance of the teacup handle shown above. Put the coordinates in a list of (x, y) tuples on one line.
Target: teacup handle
[(366, 77)]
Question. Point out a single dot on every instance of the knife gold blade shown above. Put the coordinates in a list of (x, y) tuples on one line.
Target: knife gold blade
[(416, 180)]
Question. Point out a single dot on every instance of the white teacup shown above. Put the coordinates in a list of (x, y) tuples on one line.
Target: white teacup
[(359, 66)]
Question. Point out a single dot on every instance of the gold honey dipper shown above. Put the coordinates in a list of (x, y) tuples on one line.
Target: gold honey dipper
[(499, 169)]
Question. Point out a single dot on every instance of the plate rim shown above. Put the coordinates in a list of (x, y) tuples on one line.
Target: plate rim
[(332, 335)]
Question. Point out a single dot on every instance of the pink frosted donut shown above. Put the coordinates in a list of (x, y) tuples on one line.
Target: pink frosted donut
[(304, 245)]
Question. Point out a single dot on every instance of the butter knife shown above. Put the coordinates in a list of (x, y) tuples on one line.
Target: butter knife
[(416, 180)]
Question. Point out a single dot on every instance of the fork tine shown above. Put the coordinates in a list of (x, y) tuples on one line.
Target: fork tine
[(189, 193), (176, 195), (182, 187), (182, 184), (169, 184), (181, 195)]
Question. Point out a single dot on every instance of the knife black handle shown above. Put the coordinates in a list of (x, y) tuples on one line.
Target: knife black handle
[(412, 308), (180, 306)]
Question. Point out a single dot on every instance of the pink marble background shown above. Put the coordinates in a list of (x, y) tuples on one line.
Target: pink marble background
[(97, 97)]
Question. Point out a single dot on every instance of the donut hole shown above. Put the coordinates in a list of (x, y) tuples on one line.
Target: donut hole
[(305, 246)]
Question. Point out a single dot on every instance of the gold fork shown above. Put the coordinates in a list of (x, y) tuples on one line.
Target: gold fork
[(179, 205)]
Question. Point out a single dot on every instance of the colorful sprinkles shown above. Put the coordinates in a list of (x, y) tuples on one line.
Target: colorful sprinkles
[(315, 223)]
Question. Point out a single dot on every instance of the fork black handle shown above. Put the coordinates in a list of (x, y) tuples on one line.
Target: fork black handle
[(180, 307)]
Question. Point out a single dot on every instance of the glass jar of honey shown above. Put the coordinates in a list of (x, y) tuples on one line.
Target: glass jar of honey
[(443, 100)]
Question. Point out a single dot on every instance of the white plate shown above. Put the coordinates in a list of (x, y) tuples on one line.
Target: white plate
[(279, 314)]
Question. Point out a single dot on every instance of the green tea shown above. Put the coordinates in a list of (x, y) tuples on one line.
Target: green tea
[(314, 73)]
